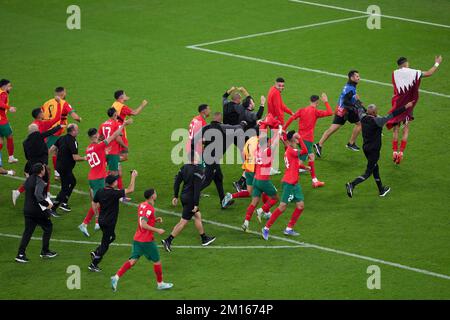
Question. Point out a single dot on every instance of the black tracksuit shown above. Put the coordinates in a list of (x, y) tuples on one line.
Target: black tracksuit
[(191, 175), (234, 113), (67, 146), (35, 194), (372, 128), (35, 148)]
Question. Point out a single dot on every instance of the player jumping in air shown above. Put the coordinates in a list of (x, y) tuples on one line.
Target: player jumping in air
[(291, 188), (406, 83), (5, 128), (144, 243), (345, 111), (96, 158), (307, 118), (58, 109)]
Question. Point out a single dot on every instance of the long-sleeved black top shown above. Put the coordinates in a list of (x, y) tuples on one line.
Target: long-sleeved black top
[(35, 148), (372, 127), (234, 113), (35, 194), (191, 175)]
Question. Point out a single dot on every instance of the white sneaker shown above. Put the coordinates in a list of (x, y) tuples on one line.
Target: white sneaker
[(56, 173), (15, 196), (164, 286), (274, 171), (302, 170), (10, 173), (11, 159), (84, 230), (259, 213), (97, 227)]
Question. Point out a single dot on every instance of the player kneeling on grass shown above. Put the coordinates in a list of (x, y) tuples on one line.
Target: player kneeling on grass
[(192, 175), (291, 188), (143, 243)]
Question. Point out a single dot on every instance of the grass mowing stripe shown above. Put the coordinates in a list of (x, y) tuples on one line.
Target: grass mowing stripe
[(318, 247), (381, 15)]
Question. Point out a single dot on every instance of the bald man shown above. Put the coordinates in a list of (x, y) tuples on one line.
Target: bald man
[(66, 148)]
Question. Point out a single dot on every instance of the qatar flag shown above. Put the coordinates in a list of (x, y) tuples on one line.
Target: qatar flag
[(406, 84)]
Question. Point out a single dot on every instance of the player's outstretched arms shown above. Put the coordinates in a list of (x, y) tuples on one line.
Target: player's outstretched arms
[(75, 117), (437, 62), (140, 108)]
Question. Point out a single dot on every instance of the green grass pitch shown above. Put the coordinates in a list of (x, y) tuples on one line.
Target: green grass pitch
[(141, 46)]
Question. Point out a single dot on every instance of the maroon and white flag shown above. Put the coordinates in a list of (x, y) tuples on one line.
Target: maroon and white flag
[(406, 82)]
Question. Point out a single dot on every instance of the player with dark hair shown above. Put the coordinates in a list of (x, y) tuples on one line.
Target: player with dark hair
[(307, 119), (372, 128), (96, 158), (406, 83), (144, 242), (191, 175), (58, 109), (292, 190), (5, 127), (275, 104), (196, 124), (108, 199), (123, 111), (345, 111)]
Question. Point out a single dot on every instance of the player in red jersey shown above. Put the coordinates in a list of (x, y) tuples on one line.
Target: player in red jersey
[(291, 188), (406, 83), (262, 183), (5, 127), (96, 158), (144, 242), (275, 103), (196, 124), (307, 119)]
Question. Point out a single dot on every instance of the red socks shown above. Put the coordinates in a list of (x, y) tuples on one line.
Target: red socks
[(273, 218), (21, 189), (54, 161), (269, 204), (126, 266), (120, 183), (265, 198), (394, 145), (403, 145), (313, 170), (241, 194), (89, 216), (295, 215), (249, 213), (10, 145), (158, 272)]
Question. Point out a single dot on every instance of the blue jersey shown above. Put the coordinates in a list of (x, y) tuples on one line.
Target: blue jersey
[(347, 98)]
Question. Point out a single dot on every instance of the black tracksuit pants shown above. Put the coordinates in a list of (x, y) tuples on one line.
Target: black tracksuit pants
[(68, 183), (108, 237), (30, 226), (213, 172), (372, 155)]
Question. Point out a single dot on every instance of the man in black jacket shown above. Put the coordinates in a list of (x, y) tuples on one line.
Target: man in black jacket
[(191, 175), (372, 127), (36, 151), (35, 200), (234, 112)]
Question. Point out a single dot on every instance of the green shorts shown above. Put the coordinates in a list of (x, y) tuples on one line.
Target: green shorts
[(5, 130), (309, 146), (51, 140), (146, 249), (263, 186), (291, 193), (249, 178), (113, 162), (96, 185)]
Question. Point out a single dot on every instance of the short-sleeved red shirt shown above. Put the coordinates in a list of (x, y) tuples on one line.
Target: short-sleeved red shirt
[(106, 129), (96, 157), (146, 212)]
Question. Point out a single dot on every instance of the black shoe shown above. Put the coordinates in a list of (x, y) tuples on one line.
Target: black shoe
[(317, 149), (22, 258), (65, 207), (349, 187), (56, 205), (92, 267), (385, 191), (352, 147), (54, 214), (166, 243), (237, 186), (208, 240), (49, 254)]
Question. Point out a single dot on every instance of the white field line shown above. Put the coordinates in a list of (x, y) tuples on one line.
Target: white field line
[(286, 65), (15, 236), (278, 31), (309, 245), (381, 15)]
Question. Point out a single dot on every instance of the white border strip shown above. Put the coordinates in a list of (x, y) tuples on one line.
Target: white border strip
[(321, 248), (381, 15)]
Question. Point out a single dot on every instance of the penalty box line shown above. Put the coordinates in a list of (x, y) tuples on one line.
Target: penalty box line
[(201, 47), (299, 243)]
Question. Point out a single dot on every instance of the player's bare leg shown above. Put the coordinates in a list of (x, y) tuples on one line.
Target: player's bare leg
[(206, 240), (355, 133), (248, 215), (331, 130)]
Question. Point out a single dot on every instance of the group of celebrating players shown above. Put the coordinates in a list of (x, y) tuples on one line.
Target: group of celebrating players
[(109, 147)]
